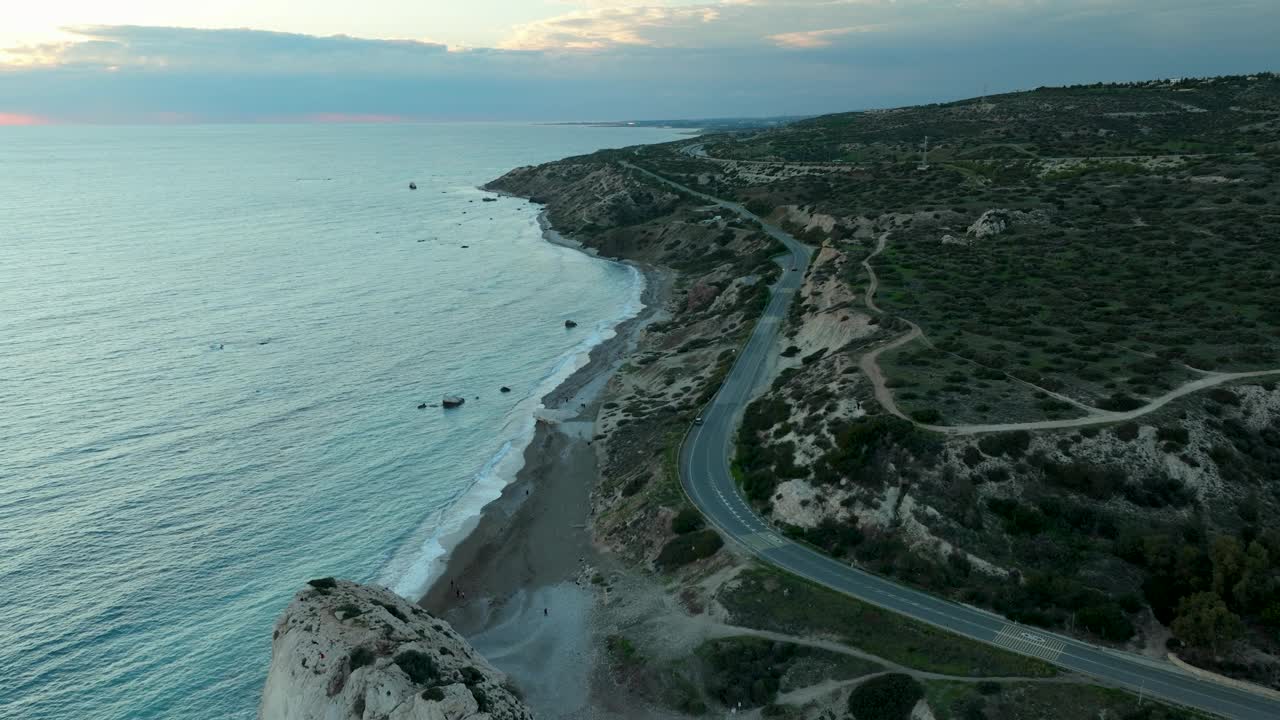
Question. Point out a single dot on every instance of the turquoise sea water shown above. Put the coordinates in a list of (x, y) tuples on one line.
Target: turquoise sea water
[(212, 344)]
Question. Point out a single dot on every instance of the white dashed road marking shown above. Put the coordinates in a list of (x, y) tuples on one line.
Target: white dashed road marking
[(763, 541)]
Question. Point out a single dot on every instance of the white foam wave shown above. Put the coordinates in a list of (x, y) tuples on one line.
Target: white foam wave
[(413, 576)]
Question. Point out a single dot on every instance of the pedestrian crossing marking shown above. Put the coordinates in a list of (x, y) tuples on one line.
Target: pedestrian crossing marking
[(763, 541), (1029, 642)]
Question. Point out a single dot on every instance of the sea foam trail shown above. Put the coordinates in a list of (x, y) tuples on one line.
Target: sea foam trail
[(413, 576)]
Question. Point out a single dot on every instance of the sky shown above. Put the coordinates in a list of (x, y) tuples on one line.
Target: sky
[(175, 61)]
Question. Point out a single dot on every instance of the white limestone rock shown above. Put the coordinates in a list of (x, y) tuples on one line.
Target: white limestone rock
[(408, 665), (995, 221)]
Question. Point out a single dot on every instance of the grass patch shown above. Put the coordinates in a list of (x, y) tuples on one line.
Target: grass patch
[(1028, 701), (768, 599), (684, 549)]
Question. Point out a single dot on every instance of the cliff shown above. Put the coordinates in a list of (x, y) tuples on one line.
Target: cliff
[(345, 651)]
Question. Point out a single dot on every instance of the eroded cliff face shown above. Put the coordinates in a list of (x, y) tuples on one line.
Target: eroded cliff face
[(348, 651)]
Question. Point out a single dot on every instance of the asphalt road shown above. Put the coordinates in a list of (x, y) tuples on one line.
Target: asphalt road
[(704, 471)]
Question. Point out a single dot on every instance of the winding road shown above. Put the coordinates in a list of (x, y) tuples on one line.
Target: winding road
[(706, 477)]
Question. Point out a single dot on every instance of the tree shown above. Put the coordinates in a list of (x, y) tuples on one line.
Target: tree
[(1228, 558), (887, 697), (1252, 589), (1204, 621)]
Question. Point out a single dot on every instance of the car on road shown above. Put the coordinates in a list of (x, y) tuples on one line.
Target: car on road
[(697, 420)]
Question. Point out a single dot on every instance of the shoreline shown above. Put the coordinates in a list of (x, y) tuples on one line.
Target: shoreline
[(535, 533), (520, 585)]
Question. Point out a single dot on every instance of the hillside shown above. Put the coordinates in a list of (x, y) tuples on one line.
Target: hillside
[(1072, 318), (1037, 375)]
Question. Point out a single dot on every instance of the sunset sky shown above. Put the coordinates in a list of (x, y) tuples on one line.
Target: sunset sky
[(385, 60)]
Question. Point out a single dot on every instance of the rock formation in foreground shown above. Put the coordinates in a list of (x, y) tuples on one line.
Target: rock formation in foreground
[(343, 651)]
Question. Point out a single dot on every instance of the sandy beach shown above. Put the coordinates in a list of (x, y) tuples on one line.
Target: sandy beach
[(518, 586)]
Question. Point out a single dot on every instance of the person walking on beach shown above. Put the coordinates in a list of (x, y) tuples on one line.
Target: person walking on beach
[(544, 612)]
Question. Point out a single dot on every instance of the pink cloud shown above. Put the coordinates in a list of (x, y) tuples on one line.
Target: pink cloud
[(16, 119)]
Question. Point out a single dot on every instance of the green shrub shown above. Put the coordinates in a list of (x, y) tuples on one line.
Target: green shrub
[(395, 611), (1121, 402), (745, 671), (360, 657), (470, 675), (349, 610), (634, 485), (1014, 444), (686, 521), (888, 697), (927, 416), (433, 693), (1223, 396), (419, 666), (1174, 434), (687, 548), (1127, 431)]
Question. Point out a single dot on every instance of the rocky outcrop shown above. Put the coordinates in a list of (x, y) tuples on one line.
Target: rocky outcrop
[(995, 221), (583, 197), (344, 651)]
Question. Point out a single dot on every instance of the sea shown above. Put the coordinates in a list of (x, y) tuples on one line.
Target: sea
[(213, 344)]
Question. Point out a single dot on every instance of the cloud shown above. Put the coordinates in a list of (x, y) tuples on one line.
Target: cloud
[(618, 60), (809, 39), (8, 119), (231, 50), (605, 27)]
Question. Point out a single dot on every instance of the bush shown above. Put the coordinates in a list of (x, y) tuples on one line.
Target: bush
[(1127, 432), (1107, 620), (419, 666), (360, 657), (1223, 396), (888, 697), (433, 693), (1174, 434), (685, 549), (686, 521), (1013, 444), (745, 670), (1121, 402), (926, 416), (349, 610), (395, 611)]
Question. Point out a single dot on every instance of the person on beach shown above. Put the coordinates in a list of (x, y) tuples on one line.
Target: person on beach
[(544, 612)]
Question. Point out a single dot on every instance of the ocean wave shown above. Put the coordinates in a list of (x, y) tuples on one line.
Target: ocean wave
[(449, 526)]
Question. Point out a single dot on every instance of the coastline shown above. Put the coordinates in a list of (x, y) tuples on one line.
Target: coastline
[(518, 585)]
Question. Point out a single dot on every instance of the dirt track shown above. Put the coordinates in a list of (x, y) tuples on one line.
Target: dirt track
[(871, 368)]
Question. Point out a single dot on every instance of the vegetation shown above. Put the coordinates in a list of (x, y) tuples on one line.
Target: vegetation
[(749, 671), (419, 666), (360, 657), (687, 520), (687, 548), (1026, 701), (887, 697), (770, 600)]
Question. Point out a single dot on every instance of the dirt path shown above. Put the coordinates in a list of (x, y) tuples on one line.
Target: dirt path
[(870, 366)]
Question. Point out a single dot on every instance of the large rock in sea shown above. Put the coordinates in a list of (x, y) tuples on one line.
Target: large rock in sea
[(344, 651)]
